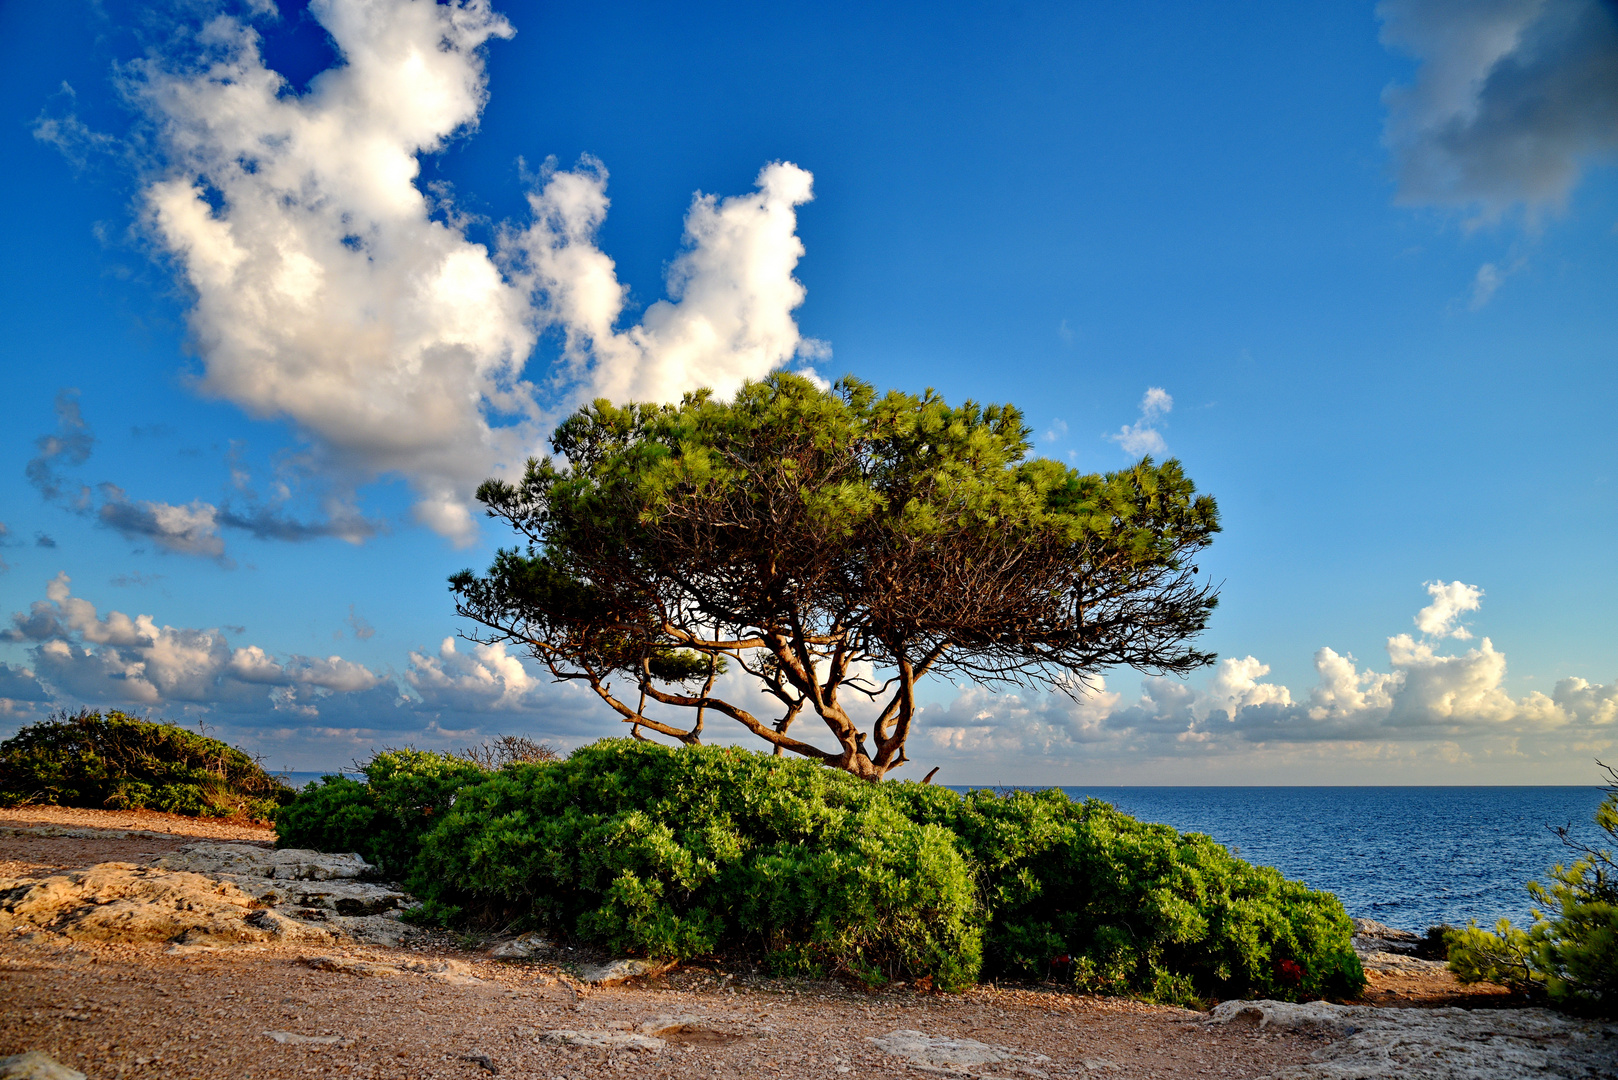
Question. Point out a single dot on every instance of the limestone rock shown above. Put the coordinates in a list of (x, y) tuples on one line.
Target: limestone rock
[(525, 947), (36, 1065), (283, 864), (1436, 1044), (213, 894), (958, 1055), (348, 966), (124, 902), (306, 886), (616, 971), (1372, 937), (1370, 928), (450, 971), (686, 1030), (1381, 960), (604, 1039), (292, 1038)]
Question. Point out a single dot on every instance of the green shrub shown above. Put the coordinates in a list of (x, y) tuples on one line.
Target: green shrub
[(680, 853), (705, 850), (115, 762), (1138, 908), (1572, 955), (406, 792)]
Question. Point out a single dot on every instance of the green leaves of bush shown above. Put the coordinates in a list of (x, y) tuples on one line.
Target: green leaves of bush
[(115, 762), (1571, 955), (711, 850)]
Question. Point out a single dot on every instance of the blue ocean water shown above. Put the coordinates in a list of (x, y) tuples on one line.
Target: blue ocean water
[(300, 779), (1410, 857)]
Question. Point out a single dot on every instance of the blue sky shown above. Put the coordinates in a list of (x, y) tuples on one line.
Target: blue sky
[(1353, 265)]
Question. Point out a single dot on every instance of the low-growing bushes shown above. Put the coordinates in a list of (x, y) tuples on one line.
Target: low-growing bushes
[(115, 762), (1570, 954), (708, 850), (406, 793), (1135, 907)]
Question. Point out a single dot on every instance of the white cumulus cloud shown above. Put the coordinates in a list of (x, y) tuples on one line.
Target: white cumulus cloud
[(1428, 702), (121, 659), (1143, 436), (329, 289), (732, 293), (1451, 600), (485, 678)]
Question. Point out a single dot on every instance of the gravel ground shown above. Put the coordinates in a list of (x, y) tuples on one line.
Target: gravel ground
[(117, 1010)]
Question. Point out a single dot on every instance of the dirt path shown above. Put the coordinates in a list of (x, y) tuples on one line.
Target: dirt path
[(118, 1009)]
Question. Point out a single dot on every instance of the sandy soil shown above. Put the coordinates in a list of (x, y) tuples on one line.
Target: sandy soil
[(143, 1010)]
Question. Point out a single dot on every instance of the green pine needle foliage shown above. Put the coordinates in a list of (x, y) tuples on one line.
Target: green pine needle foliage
[(110, 761), (1570, 953), (714, 851)]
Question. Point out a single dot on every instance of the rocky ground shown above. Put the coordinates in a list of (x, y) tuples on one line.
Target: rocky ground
[(149, 945)]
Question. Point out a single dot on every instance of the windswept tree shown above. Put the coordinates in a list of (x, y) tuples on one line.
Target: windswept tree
[(822, 540)]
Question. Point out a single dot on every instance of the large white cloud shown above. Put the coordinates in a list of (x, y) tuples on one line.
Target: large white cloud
[(732, 293), (1513, 100), (331, 290)]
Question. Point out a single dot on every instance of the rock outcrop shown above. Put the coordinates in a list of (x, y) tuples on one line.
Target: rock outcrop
[(1387, 949), (649, 1036), (1436, 1044), (525, 947), (617, 971), (212, 894), (36, 1065), (251, 861)]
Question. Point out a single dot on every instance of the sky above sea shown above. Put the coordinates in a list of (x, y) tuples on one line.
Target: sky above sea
[(285, 281)]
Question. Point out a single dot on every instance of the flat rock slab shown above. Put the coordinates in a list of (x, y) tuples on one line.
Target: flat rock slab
[(292, 1038), (449, 971), (617, 971), (1436, 1044), (960, 1056), (186, 898), (604, 1039), (283, 864), (125, 902), (36, 1065), (1383, 960)]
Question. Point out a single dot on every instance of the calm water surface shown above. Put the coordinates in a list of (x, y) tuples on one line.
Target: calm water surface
[(1406, 856)]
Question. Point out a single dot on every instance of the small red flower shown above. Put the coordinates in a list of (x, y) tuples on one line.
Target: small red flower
[(1288, 972)]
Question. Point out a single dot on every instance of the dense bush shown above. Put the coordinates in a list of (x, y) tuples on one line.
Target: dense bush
[(1572, 955), (1135, 907), (406, 792), (115, 762), (706, 850)]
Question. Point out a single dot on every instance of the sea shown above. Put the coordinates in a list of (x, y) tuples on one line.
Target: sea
[(1410, 857)]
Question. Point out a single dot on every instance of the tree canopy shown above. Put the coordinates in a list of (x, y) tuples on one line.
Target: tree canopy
[(823, 540)]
